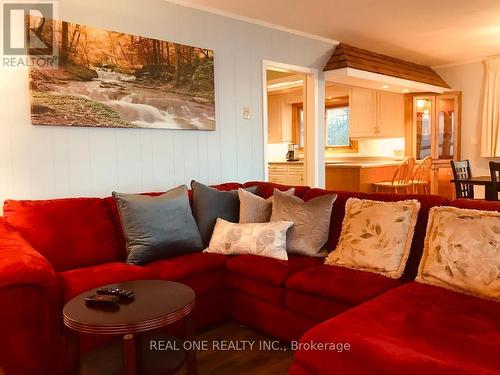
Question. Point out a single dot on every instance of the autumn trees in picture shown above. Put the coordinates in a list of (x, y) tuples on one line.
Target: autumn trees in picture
[(111, 79)]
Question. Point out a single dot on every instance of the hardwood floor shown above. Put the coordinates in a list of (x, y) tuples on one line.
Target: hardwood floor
[(252, 361), (229, 349)]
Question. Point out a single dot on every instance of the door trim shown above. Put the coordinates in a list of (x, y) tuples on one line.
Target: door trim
[(314, 160)]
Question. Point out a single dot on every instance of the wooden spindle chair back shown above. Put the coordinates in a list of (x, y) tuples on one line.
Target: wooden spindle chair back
[(404, 173), (422, 175)]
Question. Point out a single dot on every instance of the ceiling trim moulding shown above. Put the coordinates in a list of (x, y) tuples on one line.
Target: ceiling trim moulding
[(193, 5)]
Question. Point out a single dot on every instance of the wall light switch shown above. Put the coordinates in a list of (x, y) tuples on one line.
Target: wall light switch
[(474, 141), (246, 113)]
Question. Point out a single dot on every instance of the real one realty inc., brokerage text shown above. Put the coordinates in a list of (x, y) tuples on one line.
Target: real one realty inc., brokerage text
[(245, 345)]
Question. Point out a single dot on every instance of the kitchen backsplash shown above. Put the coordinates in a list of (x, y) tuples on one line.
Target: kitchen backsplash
[(383, 148)]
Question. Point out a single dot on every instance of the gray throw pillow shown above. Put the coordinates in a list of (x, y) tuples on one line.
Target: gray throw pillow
[(210, 204), (255, 209), (158, 227), (311, 221)]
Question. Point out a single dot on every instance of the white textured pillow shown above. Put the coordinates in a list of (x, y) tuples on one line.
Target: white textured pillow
[(263, 239), (255, 209), (376, 236), (462, 251)]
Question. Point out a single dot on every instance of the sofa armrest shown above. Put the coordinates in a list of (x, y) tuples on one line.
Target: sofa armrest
[(20, 263), (29, 318)]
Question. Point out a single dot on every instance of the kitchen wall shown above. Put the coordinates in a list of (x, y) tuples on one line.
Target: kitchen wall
[(45, 162), (469, 78), (385, 147)]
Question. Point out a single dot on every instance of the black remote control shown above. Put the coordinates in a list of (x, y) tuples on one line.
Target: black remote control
[(122, 293)]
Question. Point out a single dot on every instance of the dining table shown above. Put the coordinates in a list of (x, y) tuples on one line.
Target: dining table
[(490, 191)]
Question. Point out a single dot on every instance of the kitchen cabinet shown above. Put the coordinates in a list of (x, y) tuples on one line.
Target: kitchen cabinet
[(375, 114), (279, 119), (286, 173), (278, 173), (390, 114), (361, 113)]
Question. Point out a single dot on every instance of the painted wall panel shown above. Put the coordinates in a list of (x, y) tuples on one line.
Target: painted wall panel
[(47, 162)]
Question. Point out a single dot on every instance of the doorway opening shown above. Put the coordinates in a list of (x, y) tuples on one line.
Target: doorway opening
[(291, 125)]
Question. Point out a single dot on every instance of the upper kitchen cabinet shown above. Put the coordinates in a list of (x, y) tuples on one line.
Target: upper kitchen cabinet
[(362, 112), (279, 118), (375, 114), (390, 114), (283, 93)]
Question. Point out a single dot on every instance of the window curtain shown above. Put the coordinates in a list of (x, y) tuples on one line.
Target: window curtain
[(490, 133)]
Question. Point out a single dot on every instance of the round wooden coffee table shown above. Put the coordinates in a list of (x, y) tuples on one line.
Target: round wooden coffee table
[(157, 304)]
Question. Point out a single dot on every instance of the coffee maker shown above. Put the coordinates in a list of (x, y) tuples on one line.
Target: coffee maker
[(291, 155)]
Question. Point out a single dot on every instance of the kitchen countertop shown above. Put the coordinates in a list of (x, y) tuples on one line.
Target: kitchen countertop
[(348, 164), (370, 164)]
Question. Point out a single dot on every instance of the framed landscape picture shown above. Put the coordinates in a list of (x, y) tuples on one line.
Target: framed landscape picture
[(112, 79)]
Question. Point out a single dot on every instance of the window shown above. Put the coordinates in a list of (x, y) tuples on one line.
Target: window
[(298, 124), (301, 127), (336, 124), (337, 127)]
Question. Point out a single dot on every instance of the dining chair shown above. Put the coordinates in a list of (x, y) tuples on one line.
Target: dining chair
[(495, 175), (461, 170), (422, 176), (401, 180)]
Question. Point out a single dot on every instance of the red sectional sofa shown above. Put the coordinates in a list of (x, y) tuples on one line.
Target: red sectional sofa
[(412, 329), (52, 250)]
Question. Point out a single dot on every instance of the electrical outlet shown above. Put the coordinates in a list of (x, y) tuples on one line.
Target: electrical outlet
[(246, 113)]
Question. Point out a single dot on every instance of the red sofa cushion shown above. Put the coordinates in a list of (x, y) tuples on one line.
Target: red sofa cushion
[(272, 320), (338, 212), (313, 307), (265, 189), (21, 264), (211, 282), (342, 285), (79, 280), (187, 265), (269, 270), (70, 233), (274, 295), (413, 329)]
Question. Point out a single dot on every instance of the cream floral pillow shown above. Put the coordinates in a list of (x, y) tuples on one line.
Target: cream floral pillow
[(462, 251), (376, 236), (264, 239)]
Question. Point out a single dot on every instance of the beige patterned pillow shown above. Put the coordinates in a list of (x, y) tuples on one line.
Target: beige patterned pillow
[(376, 236), (264, 239), (311, 221), (255, 209), (462, 251)]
